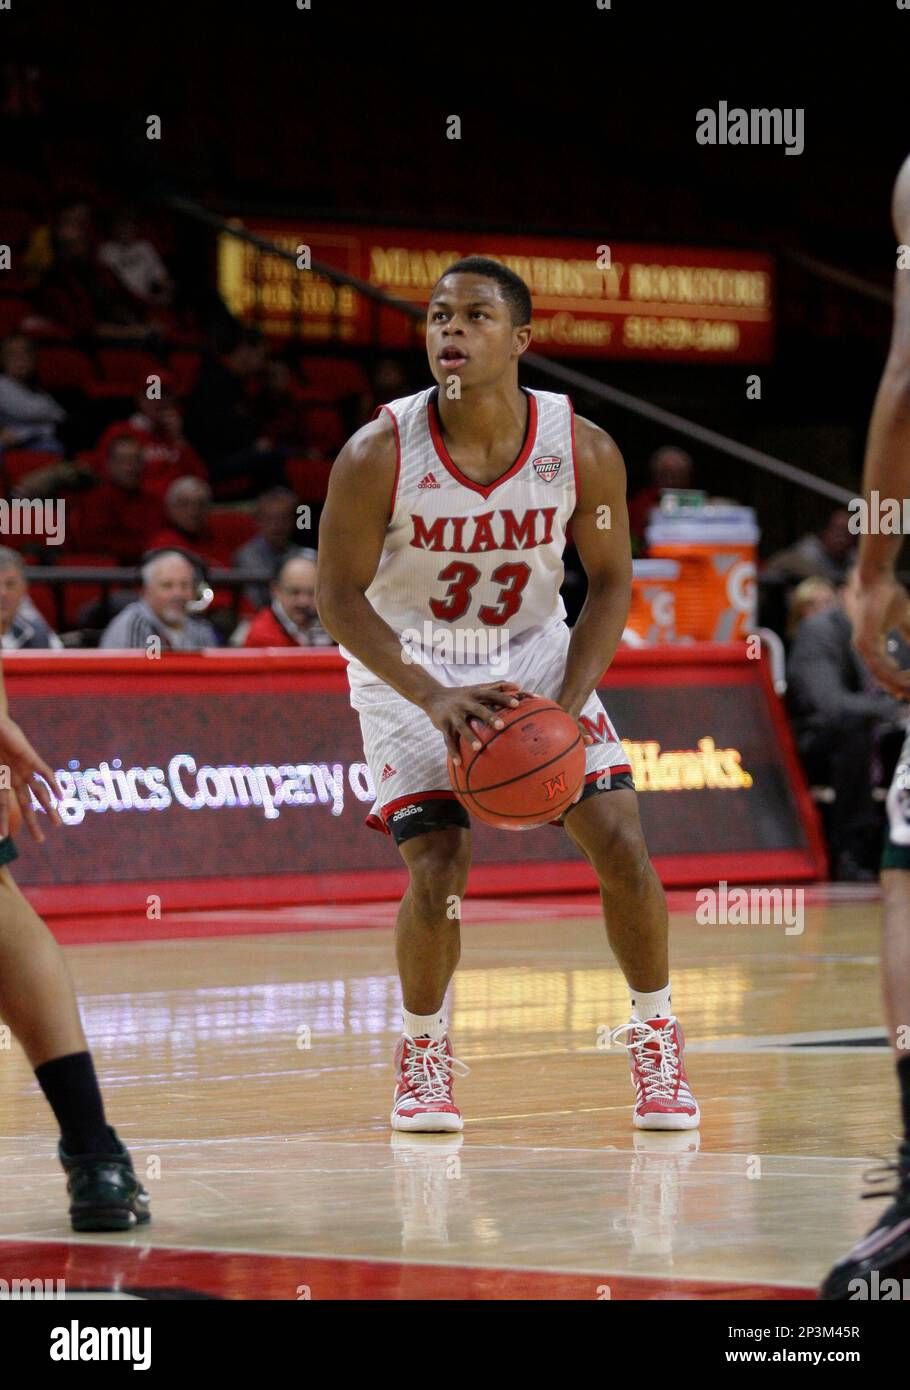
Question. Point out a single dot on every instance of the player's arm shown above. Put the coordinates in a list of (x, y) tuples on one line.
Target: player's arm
[(882, 602), (26, 770), (600, 530), (351, 535)]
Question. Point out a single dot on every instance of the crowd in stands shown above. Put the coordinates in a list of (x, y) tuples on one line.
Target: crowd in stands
[(161, 427)]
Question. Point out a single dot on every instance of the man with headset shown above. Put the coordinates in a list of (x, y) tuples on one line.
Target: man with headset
[(164, 609)]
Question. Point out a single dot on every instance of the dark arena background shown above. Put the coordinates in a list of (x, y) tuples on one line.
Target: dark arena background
[(219, 233)]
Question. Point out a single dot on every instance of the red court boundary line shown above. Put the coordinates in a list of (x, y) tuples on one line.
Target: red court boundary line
[(251, 1275)]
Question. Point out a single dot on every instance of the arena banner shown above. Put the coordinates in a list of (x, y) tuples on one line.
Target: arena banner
[(591, 298), (232, 778)]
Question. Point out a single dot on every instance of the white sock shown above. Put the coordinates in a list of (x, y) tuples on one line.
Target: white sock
[(654, 1005), (425, 1025)]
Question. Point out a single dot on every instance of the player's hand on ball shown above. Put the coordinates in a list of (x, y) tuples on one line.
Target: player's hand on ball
[(452, 709), (26, 771), (878, 608)]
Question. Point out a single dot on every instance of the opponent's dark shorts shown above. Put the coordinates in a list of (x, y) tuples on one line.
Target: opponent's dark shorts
[(8, 851)]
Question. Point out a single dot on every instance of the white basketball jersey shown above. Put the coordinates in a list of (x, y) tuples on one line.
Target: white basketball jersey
[(471, 572)]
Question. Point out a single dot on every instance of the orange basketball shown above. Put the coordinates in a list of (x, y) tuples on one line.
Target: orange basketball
[(525, 774)]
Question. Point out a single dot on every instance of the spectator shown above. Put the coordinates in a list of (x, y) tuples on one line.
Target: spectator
[(28, 416), (135, 261), (847, 731), (222, 423), (811, 596), (168, 588), (21, 625), (291, 619), (158, 425), (79, 294), (118, 516), (827, 555), (187, 511), (276, 513), (668, 467)]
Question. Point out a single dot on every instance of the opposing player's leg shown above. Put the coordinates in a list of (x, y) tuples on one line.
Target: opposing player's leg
[(38, 1004), (885, 1249)]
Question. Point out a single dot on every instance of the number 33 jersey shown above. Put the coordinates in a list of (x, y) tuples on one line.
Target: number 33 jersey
[(470, 574)]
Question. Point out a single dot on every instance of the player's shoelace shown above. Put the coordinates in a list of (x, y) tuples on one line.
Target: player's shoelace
[(659, 1065), (428, 1071), (886, 1172)]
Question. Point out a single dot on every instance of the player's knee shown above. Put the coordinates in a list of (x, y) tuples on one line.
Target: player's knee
[(438, 868), (622, 854)]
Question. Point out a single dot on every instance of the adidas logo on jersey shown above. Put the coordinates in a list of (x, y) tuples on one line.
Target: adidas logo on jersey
[(387, 771), (429, 481)]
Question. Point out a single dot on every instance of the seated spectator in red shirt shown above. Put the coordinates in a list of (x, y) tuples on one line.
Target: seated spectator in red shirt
[(291, 620), (158, 425), (187, 505), (117, 516)]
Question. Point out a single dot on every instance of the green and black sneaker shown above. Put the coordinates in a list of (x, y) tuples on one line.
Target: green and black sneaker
[(883, 1254), (105, 1194)]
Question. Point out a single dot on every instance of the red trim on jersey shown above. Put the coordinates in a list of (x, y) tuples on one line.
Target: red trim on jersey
[(375, 416), (574, 459), (483, 488)]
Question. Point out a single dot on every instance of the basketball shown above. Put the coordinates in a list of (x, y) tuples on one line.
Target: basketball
[(526, 773)]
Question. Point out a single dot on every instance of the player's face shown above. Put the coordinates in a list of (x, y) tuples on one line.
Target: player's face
[(470, 334)]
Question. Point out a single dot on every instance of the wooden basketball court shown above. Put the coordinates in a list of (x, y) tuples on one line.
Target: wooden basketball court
[(251, 1076)]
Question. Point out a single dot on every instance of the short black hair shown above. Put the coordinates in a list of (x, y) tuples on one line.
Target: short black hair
[(514, 290)]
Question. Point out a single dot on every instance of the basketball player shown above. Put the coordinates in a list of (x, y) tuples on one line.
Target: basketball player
[(448, 512), (883, 604), (38, 1004)]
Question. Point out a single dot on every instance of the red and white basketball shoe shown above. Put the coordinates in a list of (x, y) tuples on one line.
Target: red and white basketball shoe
[(662, 1096), (423, 1093)]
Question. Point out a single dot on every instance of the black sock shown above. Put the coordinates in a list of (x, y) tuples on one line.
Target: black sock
[(903, 1077), (71, 1087)]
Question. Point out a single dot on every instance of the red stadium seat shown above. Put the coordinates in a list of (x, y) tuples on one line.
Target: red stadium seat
[(324, 429), (231, 529), (309, 478), (332, 378), (184, 366), (12, 312), (127, 368), (61, 368), (17, 462), (42, 596), (79, 592)]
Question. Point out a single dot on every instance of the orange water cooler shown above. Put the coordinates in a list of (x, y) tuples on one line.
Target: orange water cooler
[(716, 548)]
